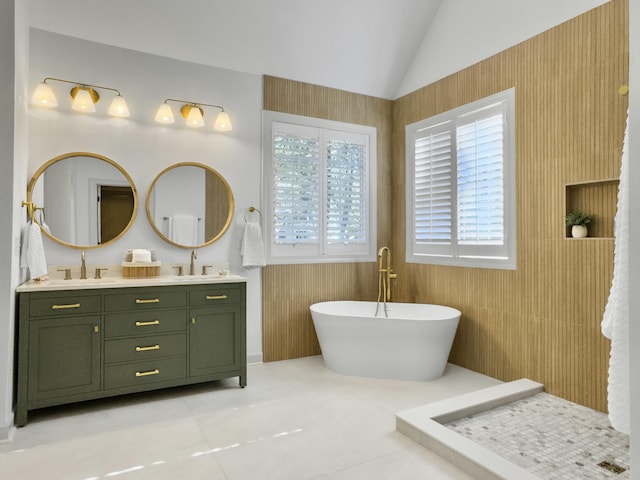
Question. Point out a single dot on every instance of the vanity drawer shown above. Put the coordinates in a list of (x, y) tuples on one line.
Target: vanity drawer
[(59, 305), (141, 373), (215, 295), (141, 300), (145, 348), (143, 323)]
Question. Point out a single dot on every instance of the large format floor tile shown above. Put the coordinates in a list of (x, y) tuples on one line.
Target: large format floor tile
[(294, 420)]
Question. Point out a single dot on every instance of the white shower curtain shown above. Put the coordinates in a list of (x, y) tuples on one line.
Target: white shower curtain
[(615, 322)]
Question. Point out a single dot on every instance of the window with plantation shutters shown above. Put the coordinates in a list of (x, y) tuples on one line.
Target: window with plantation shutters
[(461, 186), (319, 182)]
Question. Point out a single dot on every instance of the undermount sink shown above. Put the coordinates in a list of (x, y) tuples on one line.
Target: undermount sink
[(194, 278), (79, 282)]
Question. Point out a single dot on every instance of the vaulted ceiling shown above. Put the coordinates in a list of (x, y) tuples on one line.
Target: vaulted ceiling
[(362, 46)]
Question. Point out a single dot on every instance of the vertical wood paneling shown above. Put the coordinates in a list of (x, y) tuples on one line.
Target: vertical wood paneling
[(541, 321), (289, 290)]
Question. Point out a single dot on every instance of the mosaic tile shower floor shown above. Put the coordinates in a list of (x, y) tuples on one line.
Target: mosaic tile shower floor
[(550, 437)]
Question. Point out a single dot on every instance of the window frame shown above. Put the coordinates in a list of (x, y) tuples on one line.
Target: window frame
[(323, 252), (454, 254)]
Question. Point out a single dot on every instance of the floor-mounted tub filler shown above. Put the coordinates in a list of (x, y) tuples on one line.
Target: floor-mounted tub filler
[(412, 343)]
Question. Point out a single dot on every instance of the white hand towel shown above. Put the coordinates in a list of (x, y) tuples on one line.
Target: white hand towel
[(252, 246), (36, 260), (615, 321), (24, 245), (183, 229)]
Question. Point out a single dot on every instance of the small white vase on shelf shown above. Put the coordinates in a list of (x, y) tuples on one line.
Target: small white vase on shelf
[(579, 231)]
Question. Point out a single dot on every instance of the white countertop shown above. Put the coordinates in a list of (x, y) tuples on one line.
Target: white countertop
[(119, 282)]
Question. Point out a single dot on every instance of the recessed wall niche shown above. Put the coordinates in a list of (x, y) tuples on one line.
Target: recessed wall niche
[(598, 198)]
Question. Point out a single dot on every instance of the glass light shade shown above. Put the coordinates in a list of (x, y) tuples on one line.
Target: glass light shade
[(44, 97), (118, 107), (223, 122), (83, 101), (165, 114), (194, 119)]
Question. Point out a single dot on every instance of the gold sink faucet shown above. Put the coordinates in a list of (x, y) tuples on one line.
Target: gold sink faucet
[(192, 265), (83, 266)]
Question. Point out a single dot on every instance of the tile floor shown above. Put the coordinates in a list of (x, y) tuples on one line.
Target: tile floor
[(295, 420), (550, 437)]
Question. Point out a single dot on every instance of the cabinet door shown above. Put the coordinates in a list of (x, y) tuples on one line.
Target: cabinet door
[(215, 336), (64, 357)]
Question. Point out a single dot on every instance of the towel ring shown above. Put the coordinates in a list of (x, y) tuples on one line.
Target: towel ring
[(251, 210)]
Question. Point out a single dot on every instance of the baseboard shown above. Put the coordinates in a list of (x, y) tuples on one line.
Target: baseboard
[(254, 358), (7, 433)]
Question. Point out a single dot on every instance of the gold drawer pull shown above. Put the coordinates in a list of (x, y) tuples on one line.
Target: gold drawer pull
[(216, 297), (71, 305), (146, 374), (146, 349), (151, 300), (146, 324)]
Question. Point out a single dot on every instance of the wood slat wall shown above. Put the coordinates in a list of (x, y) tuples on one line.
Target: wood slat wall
[(289, 290), (541, 321)]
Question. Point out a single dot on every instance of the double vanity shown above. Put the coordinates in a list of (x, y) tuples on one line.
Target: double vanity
[(101, 338), (89, 338)]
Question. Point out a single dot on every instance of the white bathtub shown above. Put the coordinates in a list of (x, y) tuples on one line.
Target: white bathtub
[(413, 343)]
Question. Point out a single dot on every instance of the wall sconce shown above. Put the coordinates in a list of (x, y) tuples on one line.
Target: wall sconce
[(84, 96), (193, 114)]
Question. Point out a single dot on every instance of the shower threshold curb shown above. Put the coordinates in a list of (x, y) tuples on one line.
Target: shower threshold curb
[(425, 425)]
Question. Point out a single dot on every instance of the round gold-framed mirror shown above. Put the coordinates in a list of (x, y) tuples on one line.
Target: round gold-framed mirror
[(83, 200), (190, 205)]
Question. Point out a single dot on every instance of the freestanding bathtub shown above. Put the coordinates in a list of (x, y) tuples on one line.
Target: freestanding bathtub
[(413, 343)]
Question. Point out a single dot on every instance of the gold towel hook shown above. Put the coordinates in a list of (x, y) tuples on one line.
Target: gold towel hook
[(31, 207)]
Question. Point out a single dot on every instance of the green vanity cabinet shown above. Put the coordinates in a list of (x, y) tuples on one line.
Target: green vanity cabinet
[(64, 357), (216, 324), (61, 349), (76, 345)]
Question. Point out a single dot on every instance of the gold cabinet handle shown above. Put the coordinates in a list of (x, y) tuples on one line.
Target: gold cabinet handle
[(146, 349), (96, 328), (146, 324), (146, 374), (151, 300), (216, 297), (70, 305)]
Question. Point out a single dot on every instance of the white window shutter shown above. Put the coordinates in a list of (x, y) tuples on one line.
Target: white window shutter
[(346, 189), (481, 180), (296, 187), (433, 188)]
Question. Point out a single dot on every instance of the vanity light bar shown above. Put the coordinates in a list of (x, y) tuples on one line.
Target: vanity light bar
[(193, 114), (84, 95)]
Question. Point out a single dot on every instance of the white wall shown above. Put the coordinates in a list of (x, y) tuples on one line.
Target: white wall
[(13, 148), (144, 148), (465, 32), (634, 230), (7, 78)]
